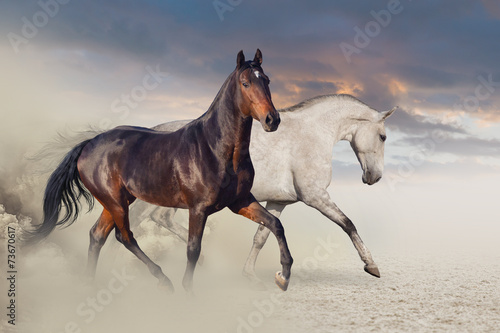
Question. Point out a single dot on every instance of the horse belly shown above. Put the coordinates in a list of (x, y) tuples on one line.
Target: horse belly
[(273, 182), (155, 184)]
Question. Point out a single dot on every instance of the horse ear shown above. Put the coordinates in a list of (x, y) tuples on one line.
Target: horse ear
[(240, 59), (385, 114), (258, 57)]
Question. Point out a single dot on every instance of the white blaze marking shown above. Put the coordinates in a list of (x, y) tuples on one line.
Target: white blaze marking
[(257, 73)]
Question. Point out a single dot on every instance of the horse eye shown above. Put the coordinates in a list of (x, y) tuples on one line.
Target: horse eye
[(246, 85), (383, 137)]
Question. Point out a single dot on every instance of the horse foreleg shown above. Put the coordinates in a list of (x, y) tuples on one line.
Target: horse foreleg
[(322, 202), (126, 237), (197, 221), (98, 235), (259, 240), (164, 217), (250, 208)]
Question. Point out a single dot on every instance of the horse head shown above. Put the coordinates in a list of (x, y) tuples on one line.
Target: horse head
[(368, 143), (253, 96)]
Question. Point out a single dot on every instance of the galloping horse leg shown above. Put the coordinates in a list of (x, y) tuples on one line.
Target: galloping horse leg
[(258, 242), (126, 237), (252, 209), (98, 235), (322, 202), (197, 221), (164, 216)]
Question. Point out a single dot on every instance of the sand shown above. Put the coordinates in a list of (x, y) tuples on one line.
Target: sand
[(419, 292)]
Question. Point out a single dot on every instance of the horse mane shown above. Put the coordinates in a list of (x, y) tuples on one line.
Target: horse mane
[(223, 88), (322, 98)]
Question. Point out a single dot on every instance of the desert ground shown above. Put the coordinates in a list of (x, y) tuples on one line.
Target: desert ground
[(421, 290)]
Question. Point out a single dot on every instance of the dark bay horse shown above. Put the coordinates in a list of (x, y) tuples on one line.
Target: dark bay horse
[(204, 167)]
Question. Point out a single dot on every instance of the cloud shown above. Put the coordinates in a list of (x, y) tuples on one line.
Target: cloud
[(421, 62), (410, 123), (463, 146)]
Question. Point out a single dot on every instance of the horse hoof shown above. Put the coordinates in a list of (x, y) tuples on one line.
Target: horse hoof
[(372, 269), (167, 286), (281, 281)]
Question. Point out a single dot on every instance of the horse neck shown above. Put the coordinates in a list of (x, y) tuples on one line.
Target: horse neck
[(226, 129), (340, 118)]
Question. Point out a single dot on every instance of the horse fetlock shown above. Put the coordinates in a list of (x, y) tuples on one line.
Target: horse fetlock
[(156, 271), (249, 273), (166, 284), (187, 283), (287, 262)]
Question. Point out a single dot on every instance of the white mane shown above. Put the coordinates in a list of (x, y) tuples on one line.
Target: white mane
[(321, 99)]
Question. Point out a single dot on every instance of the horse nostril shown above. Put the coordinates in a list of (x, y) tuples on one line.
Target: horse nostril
[(269, 120)]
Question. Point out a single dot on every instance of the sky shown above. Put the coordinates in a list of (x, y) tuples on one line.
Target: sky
[(68, 65)]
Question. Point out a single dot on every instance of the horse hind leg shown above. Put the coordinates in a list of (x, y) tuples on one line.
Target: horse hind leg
[(126, 237), (98, 235)]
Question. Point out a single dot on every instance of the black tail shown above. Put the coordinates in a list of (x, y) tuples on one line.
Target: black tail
[(63, 188)]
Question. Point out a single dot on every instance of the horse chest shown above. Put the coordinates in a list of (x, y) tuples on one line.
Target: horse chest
[(235, 182)]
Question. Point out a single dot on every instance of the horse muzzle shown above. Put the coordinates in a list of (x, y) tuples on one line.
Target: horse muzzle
[(271, 122), (370, 178)]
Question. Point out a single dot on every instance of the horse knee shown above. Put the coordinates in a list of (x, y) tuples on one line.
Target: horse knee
[(127, 239), (162, 217), (277, 228), (348, 226), (260, 237), (118, 236), (96, 238)]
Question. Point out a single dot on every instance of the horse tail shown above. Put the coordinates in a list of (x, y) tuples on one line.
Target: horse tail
[(64, 187)]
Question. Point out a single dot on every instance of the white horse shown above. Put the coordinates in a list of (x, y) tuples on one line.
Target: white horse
[(295, 164)]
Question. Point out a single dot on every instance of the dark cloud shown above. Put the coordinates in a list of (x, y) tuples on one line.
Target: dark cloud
[(424, 76), (463, 146)]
